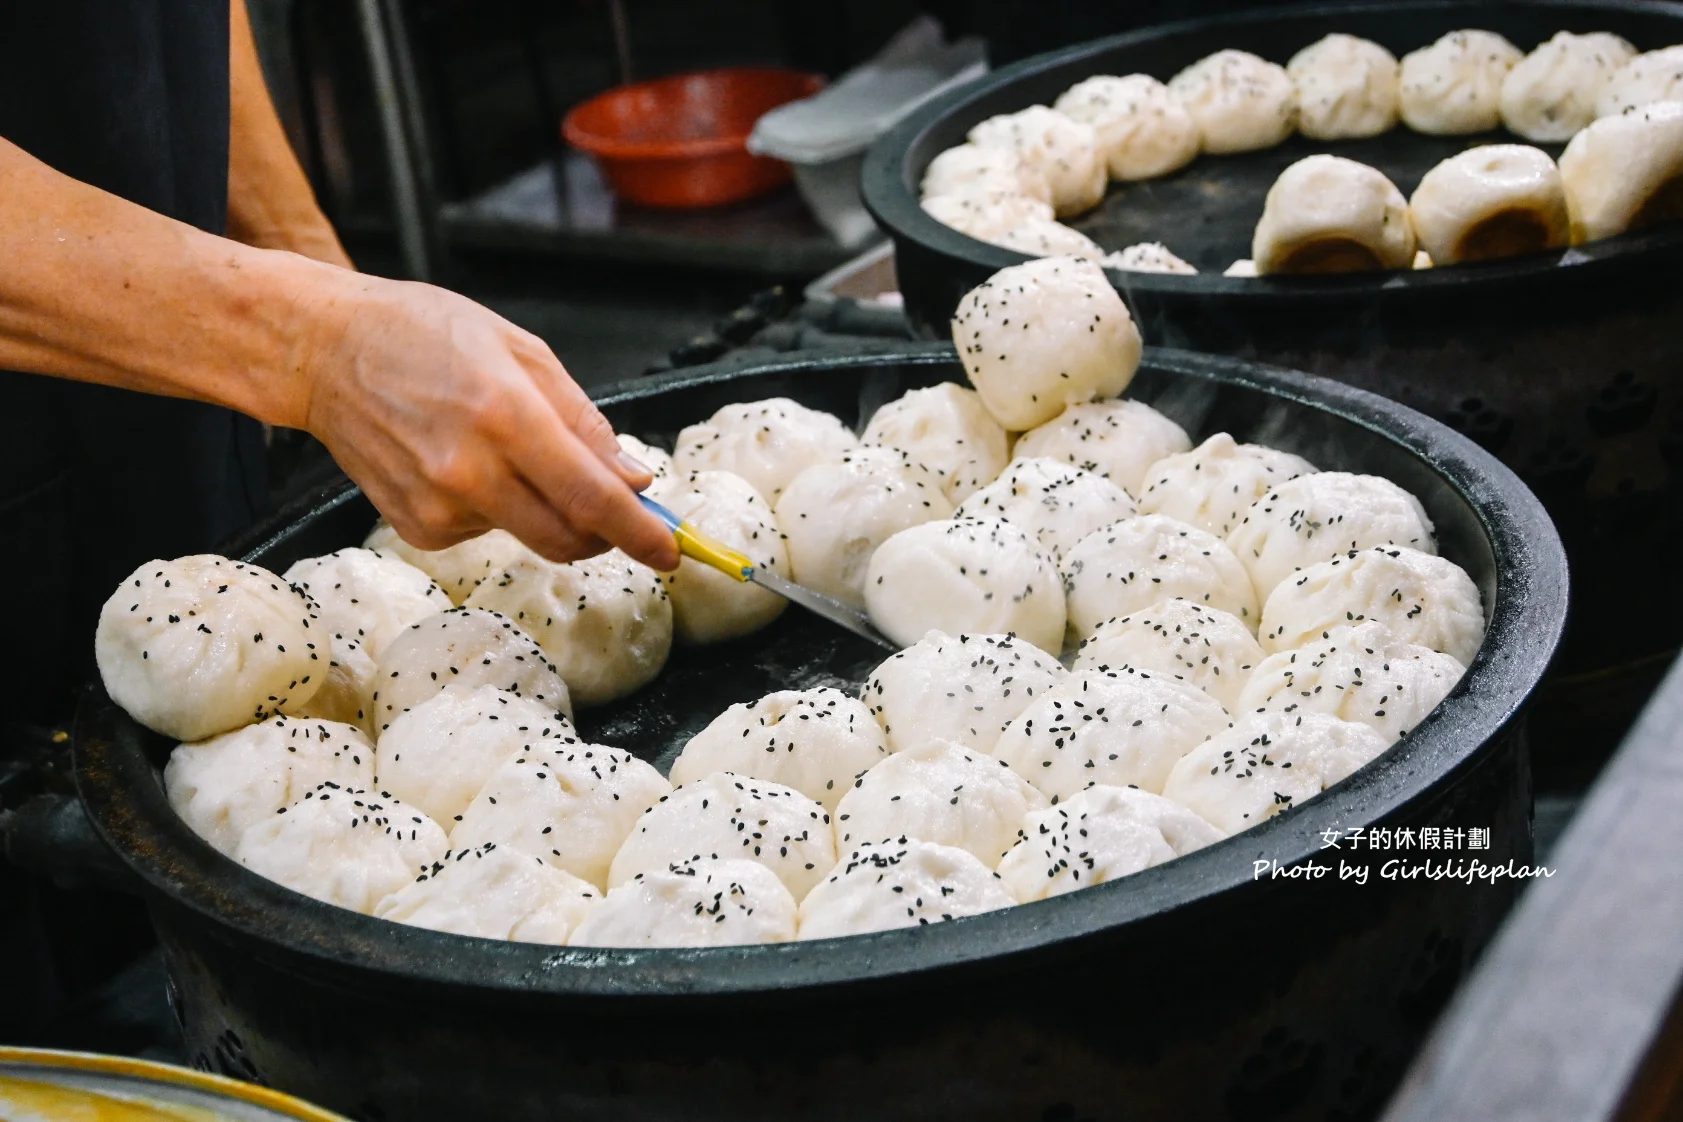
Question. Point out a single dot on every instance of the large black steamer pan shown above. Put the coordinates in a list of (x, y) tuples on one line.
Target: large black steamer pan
[(1189, 991), (1568, 366)]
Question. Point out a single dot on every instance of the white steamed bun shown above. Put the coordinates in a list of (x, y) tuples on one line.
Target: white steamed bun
[(493, 893), (816, 741), (1058, 503), (695, 904), (947, 429), (709, 606), (766, 442), (657, 460), (1454, 86), (960, 688), (1625, 172), (1119, 440), (1065, 151), (1212, 486), (463, 647), (1240, 102), (938, 792), (1551, 93), (1142, 130), (975, 167), (1649, 77), (986, 215), (201, 645), (1346, 88), (1420, 599), (1494, 201), (1101, 834), (1124, 729), (965, 576), (1037, 237), (229, 783), (459, 569), (1207, 647), (834, 515), (1267, 763), (367, 597), (1326, 214), (879, 886), (1147, 257), (1129, 566), (1045, 334)]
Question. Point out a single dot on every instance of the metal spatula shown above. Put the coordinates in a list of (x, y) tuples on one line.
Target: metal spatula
[(728, 561)]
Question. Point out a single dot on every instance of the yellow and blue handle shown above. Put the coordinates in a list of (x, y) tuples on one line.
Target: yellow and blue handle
[(692, 543)]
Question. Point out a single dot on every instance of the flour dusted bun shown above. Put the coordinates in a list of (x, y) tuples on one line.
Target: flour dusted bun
[(366, 596), (959, 688), (965, 576), (1626, 172), (229, 783), (1359, 674), (459, 569), (815, 741), (1038, 237), (439, 754), (1326, 214), (1124, 729), (938, 792), (1213, 486), (1240, 102), (1065, 151), (1116, 439), (657, 460), (1551, 93), (351, 681), (1346, 88), (1142, 130), (1498, 200), (695, 904), (1317, 517), (1101, 834), (493, 893), (985, 215), (1241, 778), (1045, 334), (605, 622), (1129, 566), (1454, 86), (343, 845), (990, 168), (1420, 599), (766, 442), (1649, 77), (568, 803), (465, 647), (1206, 647), (709, 606), (834, 515), (1057, 503), (732, 817), (947, 429), (1147, 257), (201, 645), (880, 886)]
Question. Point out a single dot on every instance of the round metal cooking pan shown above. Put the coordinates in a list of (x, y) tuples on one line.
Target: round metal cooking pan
[(1566, 365), (1187, 991)]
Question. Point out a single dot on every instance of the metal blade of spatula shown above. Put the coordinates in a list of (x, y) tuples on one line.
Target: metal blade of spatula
[(740, 566)]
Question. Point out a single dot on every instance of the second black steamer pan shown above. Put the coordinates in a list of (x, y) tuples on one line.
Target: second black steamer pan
[(1567, 365)]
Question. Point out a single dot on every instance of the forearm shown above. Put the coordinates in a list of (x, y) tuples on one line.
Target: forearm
[(270, 203), (98, 289)]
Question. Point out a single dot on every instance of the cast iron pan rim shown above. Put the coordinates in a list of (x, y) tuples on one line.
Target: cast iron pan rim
[(894, 202), (127, 805)]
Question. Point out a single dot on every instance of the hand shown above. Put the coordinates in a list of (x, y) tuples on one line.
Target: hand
[(455, 421)]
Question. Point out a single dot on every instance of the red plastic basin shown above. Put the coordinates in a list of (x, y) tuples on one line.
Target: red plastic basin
[(682, 141)]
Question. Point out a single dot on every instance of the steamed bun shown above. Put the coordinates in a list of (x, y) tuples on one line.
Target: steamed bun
[(229, 783), (1129, 566), (695, 904), (1624, 173), (606, 621), (938, 792), (975, 167), (947, 429), (1147, 257), (1045, 334), (1124, 729), (493, 893), (834, 515), (1119, 440), (1489, 202), (1551, 93), (1267, 763), (1142, 130), (201, 645), (965, 576), (1649, 77), (1056, 502), (1326, 214), (1240, 102), (1454, 86), (985, 215), (1420, 599), (657, 460), (766, 442), (709, 606), (879, 886), (1346, 88), (1065, 151), (959, 688), (367, 597), (459, 569), (463, 647), (1101, 834), (1205, 646), (1212, 486), (816, 741)]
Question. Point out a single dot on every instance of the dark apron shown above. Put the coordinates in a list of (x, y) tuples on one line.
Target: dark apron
[(130, 96)]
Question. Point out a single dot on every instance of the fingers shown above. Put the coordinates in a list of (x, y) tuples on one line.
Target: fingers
[(576, 409)]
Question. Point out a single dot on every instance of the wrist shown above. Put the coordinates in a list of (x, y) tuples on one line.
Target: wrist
[(302, 309)]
